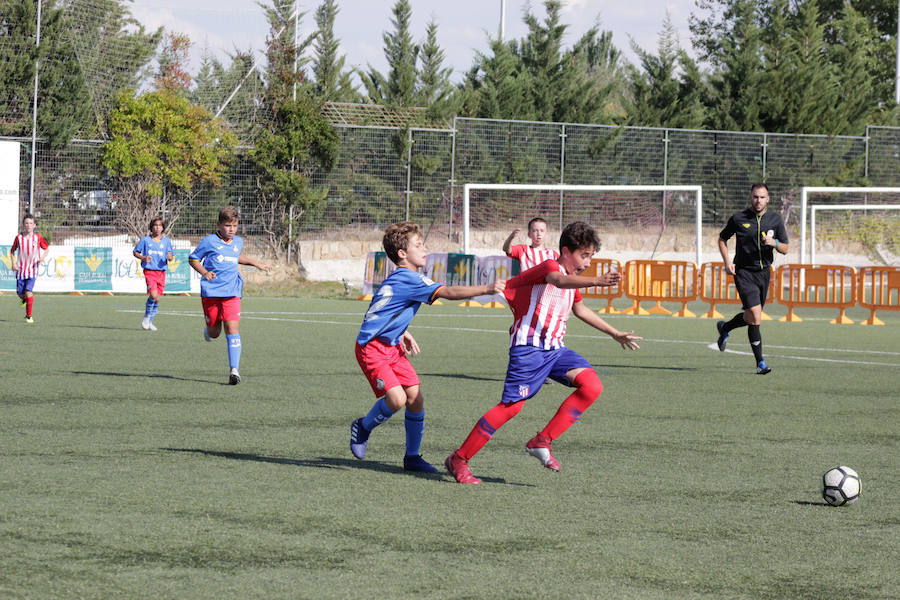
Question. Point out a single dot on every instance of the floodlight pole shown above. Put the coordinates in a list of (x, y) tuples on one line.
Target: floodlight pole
[(34, 106), (502, 19)]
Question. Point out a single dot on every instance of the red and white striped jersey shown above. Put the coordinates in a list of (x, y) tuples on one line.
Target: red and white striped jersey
[(529, 256), (540, 310), (27, 249)]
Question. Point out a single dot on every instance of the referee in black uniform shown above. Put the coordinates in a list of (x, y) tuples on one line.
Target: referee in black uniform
[(759, 233)]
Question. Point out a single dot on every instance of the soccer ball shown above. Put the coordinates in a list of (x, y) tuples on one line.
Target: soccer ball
[(840, 486)]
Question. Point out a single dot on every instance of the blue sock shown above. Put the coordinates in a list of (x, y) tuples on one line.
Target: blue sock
[(234, 349), (415, 426), (148, 307), (378, 414), (153, 309)]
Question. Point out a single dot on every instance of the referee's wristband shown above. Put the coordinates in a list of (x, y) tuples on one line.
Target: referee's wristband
[(776, 243)]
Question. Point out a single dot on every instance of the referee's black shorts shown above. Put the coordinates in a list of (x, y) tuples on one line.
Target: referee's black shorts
[(752, 286)]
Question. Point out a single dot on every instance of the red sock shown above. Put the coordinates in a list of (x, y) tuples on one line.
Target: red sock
[(29, 302), (486, 426), (588, 388)]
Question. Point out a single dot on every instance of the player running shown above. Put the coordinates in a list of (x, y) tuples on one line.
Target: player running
[(154, 251), (29, 249), (537, 252), (383, 341), (541, 299)]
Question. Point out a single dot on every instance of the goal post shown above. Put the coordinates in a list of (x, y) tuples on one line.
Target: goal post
[(658, 197), (817, 207), (847, 197)]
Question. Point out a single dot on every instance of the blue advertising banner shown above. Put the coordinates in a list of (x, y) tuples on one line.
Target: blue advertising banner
[(178, 276), (7, 275), (93, 269)]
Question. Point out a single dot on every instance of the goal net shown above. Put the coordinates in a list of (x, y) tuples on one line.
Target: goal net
[(839, 218), (647, 219)]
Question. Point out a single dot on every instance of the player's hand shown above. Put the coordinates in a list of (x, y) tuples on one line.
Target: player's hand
[(498, 286), (209, 276), (408, 343), (628, 340), (608, 279), (515, 232)]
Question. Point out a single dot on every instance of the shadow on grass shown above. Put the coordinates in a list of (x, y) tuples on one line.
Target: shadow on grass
[(612, 368), (329, 462), (150, 375), (807, 503), (461, 376)]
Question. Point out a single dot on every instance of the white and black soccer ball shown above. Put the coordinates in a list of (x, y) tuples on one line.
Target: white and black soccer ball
[(840, 486)]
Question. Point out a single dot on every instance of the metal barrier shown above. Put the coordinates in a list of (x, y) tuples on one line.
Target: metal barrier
[(660, 281), (602, 266), (717, 287), (820, 286), (878, 288)]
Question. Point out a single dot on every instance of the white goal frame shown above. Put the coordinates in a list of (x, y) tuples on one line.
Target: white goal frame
[(561, 187), (804, 194), (816, 207)]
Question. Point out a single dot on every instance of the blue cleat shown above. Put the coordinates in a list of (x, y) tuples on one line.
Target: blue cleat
[(359, 438), (415, 462), (762, 368), (722, 335)]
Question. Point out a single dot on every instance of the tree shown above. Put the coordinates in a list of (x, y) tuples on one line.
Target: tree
[(240, 85), (495, 88), (399, 87), (172, 60), (434, 89), (285, 60), (332, 82), (162, 150)]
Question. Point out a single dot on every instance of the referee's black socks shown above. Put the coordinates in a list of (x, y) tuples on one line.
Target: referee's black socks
[(735, 322), (755, 342)]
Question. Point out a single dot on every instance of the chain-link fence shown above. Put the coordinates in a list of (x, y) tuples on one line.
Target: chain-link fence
[(387, 174)]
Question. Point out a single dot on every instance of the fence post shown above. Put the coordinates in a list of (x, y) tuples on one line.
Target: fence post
[(562, 169)]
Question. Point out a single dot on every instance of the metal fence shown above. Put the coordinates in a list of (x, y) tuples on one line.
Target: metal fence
[(389, 174)]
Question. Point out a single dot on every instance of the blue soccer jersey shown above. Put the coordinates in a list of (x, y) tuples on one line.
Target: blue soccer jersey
[(222, 259), (394, 305), (157, 251)]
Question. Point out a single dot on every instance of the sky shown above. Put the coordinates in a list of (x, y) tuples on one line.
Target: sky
[(223, 26)]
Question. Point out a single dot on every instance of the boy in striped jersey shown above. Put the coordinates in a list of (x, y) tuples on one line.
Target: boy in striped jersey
[(537, 252), (28, 250), (541, 299)]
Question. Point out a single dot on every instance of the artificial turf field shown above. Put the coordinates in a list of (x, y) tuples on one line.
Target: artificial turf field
[(128, 469)]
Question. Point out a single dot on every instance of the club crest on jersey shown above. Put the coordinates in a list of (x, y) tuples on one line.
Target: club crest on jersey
[(745, 225), (523, 391), (379, 383)]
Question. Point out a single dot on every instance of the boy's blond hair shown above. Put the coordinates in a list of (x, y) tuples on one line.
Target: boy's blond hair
[(396, 238), (228, 214)]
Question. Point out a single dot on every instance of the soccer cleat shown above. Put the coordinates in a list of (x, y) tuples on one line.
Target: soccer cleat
[(762, 368), (234, 377), (206, 334), (359, 438), (723, 335), (22, 301), (29, 319), (459, 467), (539, 447), (415, 462), (152, 327), (145, 323)]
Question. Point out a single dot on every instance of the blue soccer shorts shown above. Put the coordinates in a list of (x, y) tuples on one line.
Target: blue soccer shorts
[(529, 368), (25, 285)]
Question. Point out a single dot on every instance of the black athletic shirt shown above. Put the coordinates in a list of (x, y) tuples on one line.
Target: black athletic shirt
[(751, 253)]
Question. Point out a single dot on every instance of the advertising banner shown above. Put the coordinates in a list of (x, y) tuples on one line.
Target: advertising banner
[(7, 275), (461, 269), (491, 268), (93, 269), (378, 267), (178, 277)]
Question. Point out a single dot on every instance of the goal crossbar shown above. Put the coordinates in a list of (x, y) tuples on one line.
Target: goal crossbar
[(561, 187), (817, 207), (804, 195)]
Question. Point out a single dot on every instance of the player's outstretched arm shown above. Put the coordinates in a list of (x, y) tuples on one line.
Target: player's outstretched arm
[(626, 338), (461, 292), (577, 281)]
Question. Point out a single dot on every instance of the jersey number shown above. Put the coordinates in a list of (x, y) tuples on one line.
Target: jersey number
[(385, 293)]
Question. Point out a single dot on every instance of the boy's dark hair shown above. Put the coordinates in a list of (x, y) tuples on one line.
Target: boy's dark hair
[(153, 222), (757, 185), (29, 216), (578, 235), (228, 213), (535, 220), (396, 238)]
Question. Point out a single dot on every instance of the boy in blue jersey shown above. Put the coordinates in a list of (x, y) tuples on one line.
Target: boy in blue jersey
[(216, 258), (383, 341), (154, 251)]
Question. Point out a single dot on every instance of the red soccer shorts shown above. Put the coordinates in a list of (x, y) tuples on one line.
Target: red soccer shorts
[(221, 309), (155, 280), (385, 366)]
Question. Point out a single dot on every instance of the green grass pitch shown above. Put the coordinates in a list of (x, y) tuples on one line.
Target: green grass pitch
[(128, 469)]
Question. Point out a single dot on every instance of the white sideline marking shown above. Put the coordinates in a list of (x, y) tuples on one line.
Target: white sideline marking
[(257, 316)]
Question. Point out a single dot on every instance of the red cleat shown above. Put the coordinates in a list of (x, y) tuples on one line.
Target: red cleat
[(539, 447), (459, 468)]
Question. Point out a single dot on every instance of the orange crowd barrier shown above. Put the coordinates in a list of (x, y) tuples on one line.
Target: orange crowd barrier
[(717, 287), (660, 281), (820, 286), (602, 266), (878, 288)]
